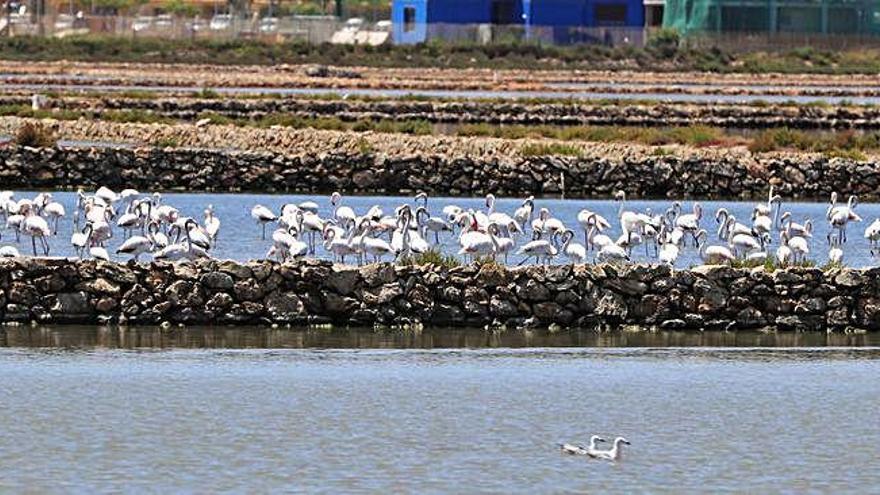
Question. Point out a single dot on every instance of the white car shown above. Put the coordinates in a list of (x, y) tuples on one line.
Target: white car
[(164, 21), (141, 23), (221, 22), (268, 25)]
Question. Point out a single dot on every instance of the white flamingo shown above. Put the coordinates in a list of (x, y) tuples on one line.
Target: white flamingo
[(135, 246), (212, 223), (713, 255), (343, 214), (263, 216), (538, 248), (574, 251)]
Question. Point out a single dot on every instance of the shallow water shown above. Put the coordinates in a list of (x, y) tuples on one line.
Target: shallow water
[(240, 237), (458, 94), (465, 420)]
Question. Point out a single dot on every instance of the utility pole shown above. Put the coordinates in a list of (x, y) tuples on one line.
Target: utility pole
[(9, 18)]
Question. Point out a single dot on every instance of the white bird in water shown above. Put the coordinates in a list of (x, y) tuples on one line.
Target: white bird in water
[(263, 216), (212, 223), (135, 246), (571, 449), (612, 454), (574, 251)]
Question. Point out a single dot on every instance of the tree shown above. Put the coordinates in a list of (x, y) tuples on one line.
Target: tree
[(180, 8)]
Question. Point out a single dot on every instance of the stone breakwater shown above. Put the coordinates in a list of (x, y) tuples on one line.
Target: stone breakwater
[(316, 292), (490, 112), (598, 174)]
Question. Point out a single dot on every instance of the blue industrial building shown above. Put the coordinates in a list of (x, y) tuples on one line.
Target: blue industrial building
[(565, 21)]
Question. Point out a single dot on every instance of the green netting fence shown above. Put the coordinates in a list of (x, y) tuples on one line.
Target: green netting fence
[(832, 17)]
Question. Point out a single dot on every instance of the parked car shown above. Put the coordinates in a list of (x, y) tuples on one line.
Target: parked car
[(221, 22), (268, 25), (64, 21), (141, 23), (197, 25), (164, 21)]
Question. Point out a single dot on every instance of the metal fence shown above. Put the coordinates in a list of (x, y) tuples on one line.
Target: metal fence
[(314, 29), (766, 41), (330, 29)]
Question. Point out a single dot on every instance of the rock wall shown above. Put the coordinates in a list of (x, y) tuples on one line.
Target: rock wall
[(598, 175), (312, 292), (465, 112)]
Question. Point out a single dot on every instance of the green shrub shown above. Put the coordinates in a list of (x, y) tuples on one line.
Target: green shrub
[(664, 43), (35, 135), (434, 257), (553, 149)]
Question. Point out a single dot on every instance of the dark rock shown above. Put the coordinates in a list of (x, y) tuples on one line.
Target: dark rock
[(72, 304), (281, 305), (248, 290), (217, 281)]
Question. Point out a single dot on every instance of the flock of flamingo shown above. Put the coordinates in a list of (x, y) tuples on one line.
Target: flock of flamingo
[(147, 225), (412, 228)]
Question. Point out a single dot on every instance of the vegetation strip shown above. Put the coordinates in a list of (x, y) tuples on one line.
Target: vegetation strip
[(663, 52), (846, 143)]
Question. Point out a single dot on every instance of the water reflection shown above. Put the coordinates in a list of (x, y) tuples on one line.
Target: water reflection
[(444, 338)]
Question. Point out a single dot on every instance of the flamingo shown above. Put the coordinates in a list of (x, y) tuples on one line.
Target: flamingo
[(689, 222), (9, 252), (36, 226), (336, 245), (135, 246), (547, 223), (872, 234), (523, 214), (475, 244), (343, 214), (630, 221), (588, 220), (80, 239), (713, 255), (612, 253), (263, 215), (840, 216), (434, 224), (55, 211), (574, 251), (783, 255), (212, 223), (798, 245), (538, 248)]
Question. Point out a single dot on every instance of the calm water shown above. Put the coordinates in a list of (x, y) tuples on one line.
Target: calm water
[(444, 420), (239, 237)]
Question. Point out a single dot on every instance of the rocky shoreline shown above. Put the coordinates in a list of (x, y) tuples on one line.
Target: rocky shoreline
[(372, 170), (319, 292), (736, 116)]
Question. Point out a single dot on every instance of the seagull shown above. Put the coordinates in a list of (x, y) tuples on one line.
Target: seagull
[(612, 454), (572, 449)]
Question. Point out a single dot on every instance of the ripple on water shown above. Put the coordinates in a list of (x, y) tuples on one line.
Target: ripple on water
[(463, 420)]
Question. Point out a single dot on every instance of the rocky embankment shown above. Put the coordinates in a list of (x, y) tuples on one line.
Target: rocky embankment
[(735, 116), (371, 167), (317, 292)]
